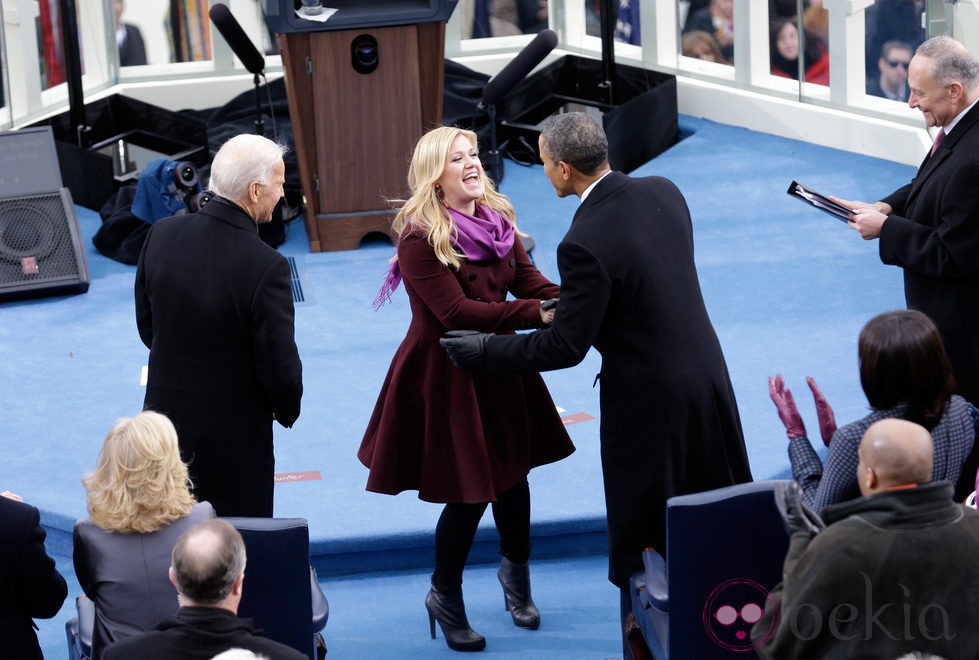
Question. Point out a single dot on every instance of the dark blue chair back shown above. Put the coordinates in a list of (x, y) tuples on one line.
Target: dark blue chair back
[(724, 547), (276, 594)]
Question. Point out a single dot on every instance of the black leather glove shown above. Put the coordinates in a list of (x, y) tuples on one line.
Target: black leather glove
[(549, 304), (466, 348), (798, 516)]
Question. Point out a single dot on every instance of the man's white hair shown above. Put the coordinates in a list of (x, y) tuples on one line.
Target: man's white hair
[(241, 160)]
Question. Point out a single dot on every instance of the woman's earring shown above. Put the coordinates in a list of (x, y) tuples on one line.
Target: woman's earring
[(440, 193)]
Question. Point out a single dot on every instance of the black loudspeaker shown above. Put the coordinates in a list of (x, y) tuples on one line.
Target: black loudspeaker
[(41, 251)]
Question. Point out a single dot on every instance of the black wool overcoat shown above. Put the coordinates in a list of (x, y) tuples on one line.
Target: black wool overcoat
[(933, 234), (214, 306), (30, 585), (669, 419)]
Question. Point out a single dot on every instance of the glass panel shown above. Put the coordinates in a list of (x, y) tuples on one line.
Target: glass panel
[(129, 37), (786, 43), (707, 28), (165, 31), (51, 54), (501, 18), (894, 30), (626, 20), (188, 29)]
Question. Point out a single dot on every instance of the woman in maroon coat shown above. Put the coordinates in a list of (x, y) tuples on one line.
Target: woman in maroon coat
[(463, 437)]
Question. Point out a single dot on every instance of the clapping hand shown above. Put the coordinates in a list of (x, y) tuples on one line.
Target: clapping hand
[(827, 420), (785, 405)]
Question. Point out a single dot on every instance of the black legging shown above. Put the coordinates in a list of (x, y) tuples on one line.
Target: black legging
[(457, 527)]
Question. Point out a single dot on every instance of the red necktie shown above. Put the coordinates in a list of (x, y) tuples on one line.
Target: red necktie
[(938, 141)]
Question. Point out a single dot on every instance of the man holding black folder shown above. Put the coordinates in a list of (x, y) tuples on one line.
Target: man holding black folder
[(930, 227)]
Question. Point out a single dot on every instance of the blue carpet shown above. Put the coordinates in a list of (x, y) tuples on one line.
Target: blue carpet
[(382, 615), (788, 289)]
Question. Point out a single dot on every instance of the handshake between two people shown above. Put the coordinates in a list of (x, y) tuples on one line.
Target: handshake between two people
[(467, 348), (789, 413)]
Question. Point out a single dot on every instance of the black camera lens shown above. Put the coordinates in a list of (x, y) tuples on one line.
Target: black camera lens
[(186, 175), (363, 53), (366, 55)]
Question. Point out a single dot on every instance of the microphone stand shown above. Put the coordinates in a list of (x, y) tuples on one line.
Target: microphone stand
[(73, 72), (493, 166), (609, 11), (495, 169), (259, 124)]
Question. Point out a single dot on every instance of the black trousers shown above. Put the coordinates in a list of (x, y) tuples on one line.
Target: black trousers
[(456, 530)]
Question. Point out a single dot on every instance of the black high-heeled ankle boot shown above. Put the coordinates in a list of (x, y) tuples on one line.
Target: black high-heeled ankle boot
[(515, 580), (449, 610)]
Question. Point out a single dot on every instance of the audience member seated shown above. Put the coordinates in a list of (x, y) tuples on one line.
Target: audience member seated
[(886, 20), (894, 571), (129, 39), (905, 374), (784, 50), (703, 46), (531, 15), (891, 81), (139, 501), (207, 568), (30, 585), (815, 22), (788, 8), (716, 19)]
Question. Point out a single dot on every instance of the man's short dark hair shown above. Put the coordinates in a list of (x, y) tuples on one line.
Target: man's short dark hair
[(895, 44), (577, 139), (207, 559)]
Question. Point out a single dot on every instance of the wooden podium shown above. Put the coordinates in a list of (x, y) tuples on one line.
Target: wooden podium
[(354, 130)]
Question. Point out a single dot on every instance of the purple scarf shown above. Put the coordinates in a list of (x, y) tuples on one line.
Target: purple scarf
[(487, 235)]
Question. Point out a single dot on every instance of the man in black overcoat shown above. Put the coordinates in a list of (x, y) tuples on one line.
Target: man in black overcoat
[(629, 287), (132, 50), (30, 585), (214, 306), (930, 227)]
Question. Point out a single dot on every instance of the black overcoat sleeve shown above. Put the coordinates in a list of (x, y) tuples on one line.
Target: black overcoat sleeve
[(277, 360)]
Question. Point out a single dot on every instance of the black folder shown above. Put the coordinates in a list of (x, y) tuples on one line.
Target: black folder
[(819, 201)]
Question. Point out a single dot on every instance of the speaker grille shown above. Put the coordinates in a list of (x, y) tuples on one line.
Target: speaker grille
[(39, 245)]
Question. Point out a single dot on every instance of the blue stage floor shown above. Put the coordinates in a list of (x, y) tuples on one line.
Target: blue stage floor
[(788, 289)]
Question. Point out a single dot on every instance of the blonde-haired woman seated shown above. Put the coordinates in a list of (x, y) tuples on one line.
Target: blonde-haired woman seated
[(139, 501)]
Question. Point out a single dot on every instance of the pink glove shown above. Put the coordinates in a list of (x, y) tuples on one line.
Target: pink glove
[(827, 420), (785, 404)]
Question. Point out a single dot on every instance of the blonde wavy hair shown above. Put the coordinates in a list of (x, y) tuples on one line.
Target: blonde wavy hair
[(139, 484), (424, 211)]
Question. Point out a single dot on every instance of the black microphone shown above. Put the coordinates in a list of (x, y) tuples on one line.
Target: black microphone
[(518, 68), (240, 44)]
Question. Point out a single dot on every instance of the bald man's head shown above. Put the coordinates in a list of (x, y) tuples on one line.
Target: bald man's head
[(207, 561), (894, 452)]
